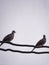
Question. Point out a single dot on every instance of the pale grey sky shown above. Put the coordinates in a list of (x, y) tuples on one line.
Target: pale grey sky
[(30, 19)]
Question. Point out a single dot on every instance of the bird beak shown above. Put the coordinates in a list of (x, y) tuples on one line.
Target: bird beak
[(15, 32)]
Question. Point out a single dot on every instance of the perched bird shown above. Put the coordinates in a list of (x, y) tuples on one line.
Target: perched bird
[(9, 37), (41, 42)]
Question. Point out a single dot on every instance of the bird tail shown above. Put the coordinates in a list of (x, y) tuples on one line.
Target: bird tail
[(33, 48), (1, 43)]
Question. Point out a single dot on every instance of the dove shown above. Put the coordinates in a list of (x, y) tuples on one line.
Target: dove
[(41, 42), (8, 37)]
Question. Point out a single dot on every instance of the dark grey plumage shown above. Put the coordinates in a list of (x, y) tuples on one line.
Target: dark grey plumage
[(41, 42), (9, 37)]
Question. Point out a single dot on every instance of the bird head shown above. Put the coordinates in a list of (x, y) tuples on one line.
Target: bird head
[(13, 31), (44, 36)]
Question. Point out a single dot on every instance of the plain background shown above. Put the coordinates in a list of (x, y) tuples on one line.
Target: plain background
[(30, 20)]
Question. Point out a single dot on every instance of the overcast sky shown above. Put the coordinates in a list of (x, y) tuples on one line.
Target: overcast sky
[(30, 20)]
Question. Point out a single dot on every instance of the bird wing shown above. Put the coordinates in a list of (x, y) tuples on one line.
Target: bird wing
[(7, 38), (40, 42)]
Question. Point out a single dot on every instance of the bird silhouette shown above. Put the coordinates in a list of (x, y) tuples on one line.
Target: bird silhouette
[(8, 37), (41, 42)]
